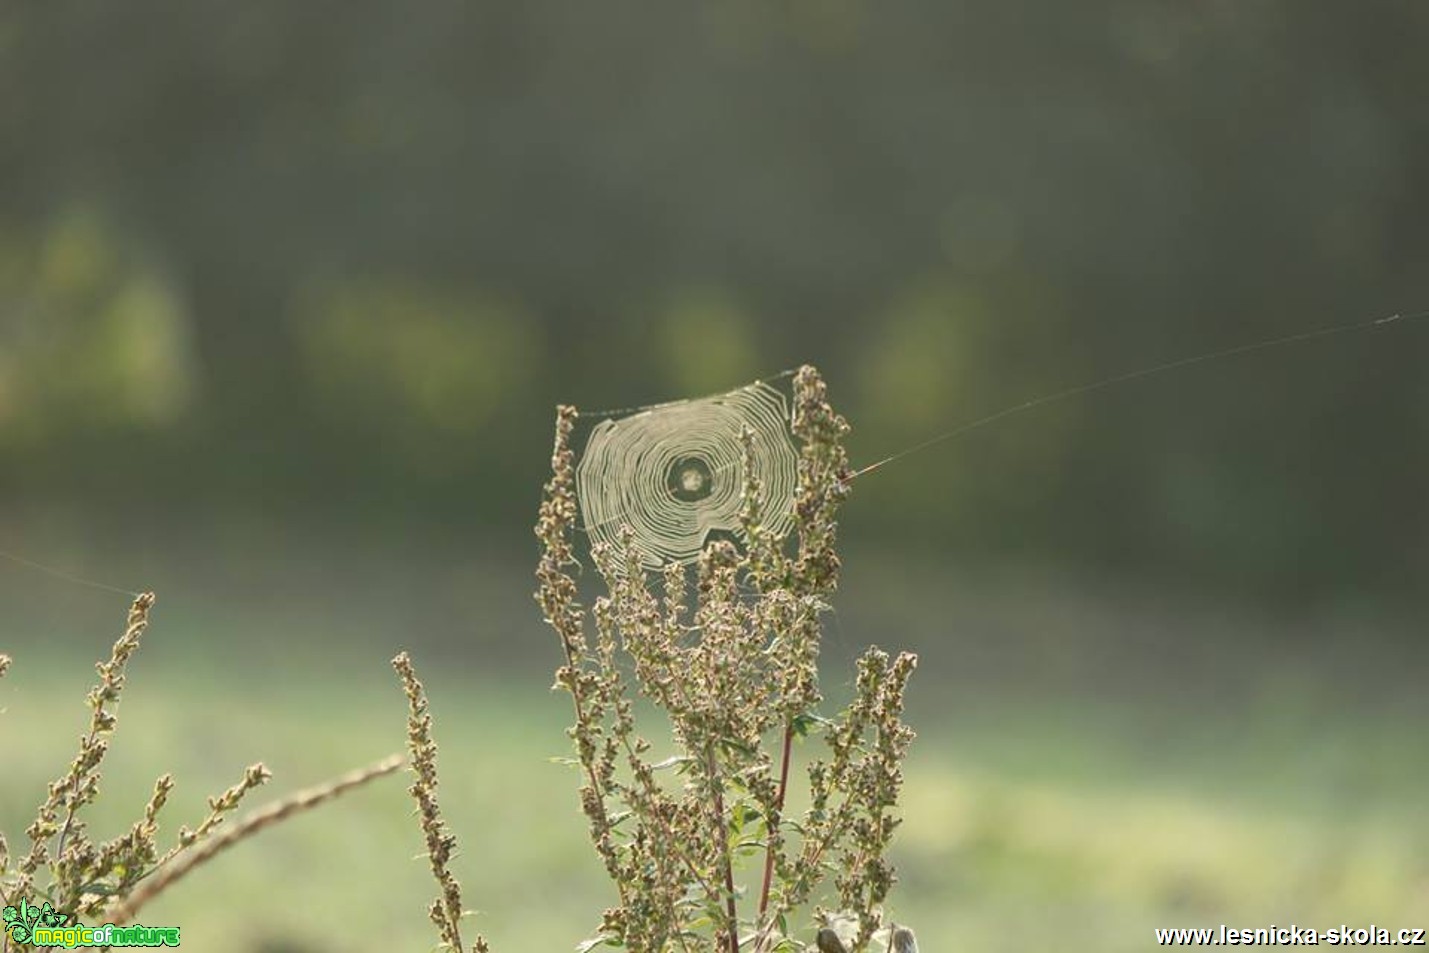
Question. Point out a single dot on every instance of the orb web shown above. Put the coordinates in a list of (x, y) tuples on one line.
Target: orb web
[(674, 473)]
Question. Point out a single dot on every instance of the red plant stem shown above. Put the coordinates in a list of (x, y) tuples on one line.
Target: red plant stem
[(778, 806), (728, 863)]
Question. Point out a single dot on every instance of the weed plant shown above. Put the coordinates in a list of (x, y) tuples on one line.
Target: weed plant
[(699, 846), (66, 878), (701, 851)]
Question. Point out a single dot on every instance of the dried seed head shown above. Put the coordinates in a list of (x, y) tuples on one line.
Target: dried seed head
[(732, 662)]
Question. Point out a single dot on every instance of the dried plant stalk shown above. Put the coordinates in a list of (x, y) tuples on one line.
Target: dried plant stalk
[(446, 911), (275, 813), (733, 665)]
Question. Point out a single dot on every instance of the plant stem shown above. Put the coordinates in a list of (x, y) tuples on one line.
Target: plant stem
[(772, 823), (717, 784), (578, 700), (126, 907)]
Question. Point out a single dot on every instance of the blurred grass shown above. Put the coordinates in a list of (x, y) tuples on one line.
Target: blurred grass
[(1027, 827), (1092, 761)]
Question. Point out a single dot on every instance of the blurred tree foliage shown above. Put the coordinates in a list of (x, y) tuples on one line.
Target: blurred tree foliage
[(313, 255)]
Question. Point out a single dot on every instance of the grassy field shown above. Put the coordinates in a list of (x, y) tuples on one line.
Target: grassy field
[(1069, 804)]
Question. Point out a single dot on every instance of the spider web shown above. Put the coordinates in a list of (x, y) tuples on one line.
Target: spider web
[(673, 472)]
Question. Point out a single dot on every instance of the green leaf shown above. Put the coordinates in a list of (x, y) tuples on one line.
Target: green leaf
[(801, 724), (741, 816), (671, 762)]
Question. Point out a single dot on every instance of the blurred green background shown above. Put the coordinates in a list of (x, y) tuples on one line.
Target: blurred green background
[(288, 293)]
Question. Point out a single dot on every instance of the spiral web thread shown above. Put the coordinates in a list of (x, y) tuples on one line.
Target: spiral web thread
[(673, 473)]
